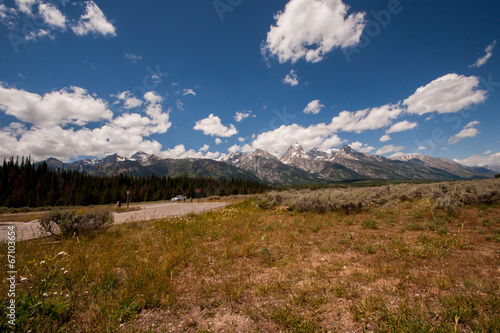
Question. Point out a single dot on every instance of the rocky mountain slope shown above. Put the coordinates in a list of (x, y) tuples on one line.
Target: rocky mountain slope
[(296, 166), (346, 164)]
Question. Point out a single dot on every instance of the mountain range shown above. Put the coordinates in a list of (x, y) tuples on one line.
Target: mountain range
[(296, 166)]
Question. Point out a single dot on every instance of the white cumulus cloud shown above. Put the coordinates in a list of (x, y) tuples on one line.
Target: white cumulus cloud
[(368, 119), (364, 148), (481, 160), (25, 6), (447, 94), (385, 138), (239, 116), (180, 151), (312, 28), (291, 79), (323, 135), (70, 123), (129, 100), (94, 21), (469, 131), (313, 107), (212, 125), (52, 16), (279, 140), (401, 127), (66, 106), (234, 149)]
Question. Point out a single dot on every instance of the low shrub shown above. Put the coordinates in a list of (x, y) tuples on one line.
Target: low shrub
[(69, 223), (447, 196)]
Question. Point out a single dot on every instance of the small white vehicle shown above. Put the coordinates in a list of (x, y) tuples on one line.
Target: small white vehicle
[(179, 198)]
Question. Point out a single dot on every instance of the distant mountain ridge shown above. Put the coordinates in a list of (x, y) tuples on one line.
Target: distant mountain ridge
[(346, 164), (142, 164), (296, 166)]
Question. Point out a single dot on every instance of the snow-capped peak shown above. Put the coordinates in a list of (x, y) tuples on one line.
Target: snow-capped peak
[(295, 152), (143, 158), (408, 157)]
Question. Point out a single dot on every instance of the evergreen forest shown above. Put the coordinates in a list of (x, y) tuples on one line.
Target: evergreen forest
[(24, 185)]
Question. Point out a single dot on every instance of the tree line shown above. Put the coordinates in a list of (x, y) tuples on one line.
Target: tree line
[(22, 184)]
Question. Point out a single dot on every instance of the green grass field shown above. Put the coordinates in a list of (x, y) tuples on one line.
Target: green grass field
[(417, 263)]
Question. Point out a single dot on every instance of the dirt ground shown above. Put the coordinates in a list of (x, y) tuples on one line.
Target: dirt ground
[(31, 230)]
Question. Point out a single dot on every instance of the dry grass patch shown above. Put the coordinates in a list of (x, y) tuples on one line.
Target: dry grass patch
[(245, 269)]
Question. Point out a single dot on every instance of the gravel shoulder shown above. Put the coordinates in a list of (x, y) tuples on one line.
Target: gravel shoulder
[(146, 212)]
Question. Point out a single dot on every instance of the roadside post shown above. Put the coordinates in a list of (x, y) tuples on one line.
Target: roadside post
[(128, 192), (198, 191)]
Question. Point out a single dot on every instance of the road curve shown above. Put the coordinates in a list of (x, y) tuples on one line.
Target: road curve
[(145, 212)]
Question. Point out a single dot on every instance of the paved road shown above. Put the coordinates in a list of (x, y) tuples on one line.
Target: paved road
[(146, 212)]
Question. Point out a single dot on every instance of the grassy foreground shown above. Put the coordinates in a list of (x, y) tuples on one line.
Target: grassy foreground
[(398, 266)]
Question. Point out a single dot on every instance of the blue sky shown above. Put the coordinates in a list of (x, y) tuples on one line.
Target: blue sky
[(204, 78)]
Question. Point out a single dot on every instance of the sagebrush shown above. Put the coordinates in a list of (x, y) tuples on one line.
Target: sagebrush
[(69, 223), (446, 195)]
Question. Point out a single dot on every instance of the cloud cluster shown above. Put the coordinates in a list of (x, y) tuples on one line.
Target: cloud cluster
[(479, 160), (279, 140), (129, 100), (48, 17), (3, 12), (364, 148), (312, 28), (156, 121), (212, 125), (450, 93), (180, 151), (25, 6), (71, 122), (66, 106), (322, 135)]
